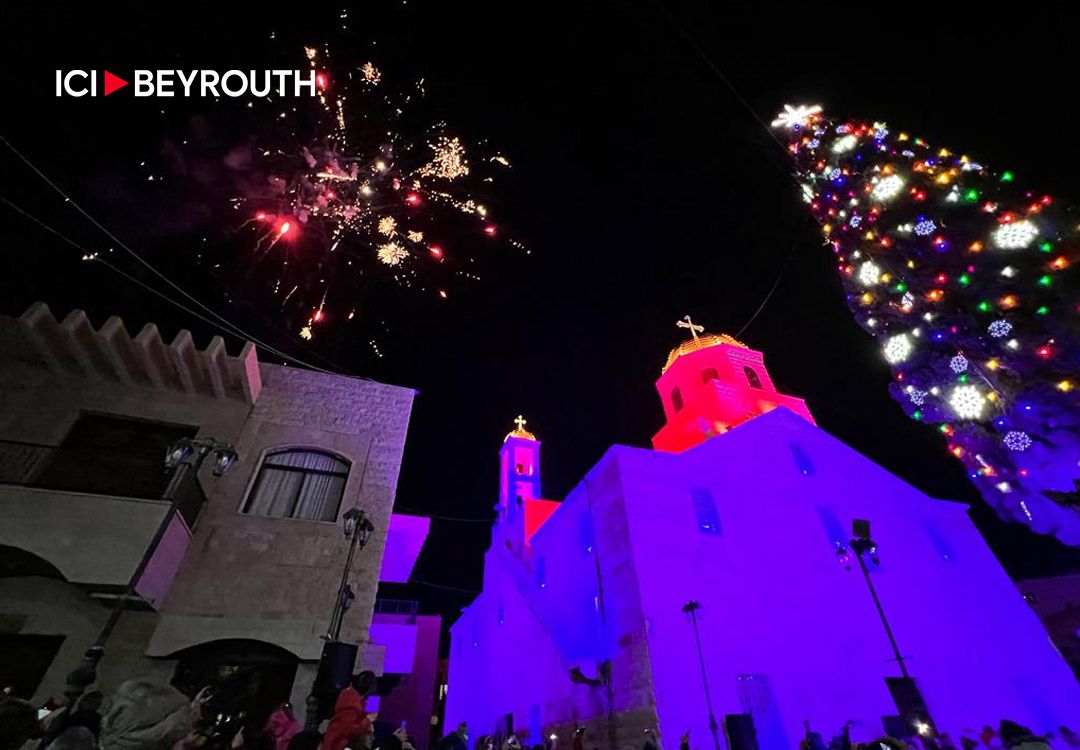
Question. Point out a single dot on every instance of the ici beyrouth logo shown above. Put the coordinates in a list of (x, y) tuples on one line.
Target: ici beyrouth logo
[(191, 83)]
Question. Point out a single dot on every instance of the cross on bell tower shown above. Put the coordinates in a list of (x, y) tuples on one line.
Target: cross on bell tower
[(695, 329)]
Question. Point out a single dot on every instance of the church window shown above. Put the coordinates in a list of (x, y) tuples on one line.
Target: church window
[(708, 520), (834, 530), (708, 374), (298, 483), (541, 571), (752, 377), (676, 399), (802, 461), (941, 544)]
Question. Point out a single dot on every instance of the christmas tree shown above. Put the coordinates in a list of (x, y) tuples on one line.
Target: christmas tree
[(969, 283)]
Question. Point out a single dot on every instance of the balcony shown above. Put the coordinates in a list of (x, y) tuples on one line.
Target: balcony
[(86, 512)]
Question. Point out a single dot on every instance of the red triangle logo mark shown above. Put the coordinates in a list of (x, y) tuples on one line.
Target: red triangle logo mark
[(113, 82)]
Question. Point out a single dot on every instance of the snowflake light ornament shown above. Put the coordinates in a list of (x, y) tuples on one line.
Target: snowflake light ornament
[(847, 143), (1015, 235), (897, 348), (999, 329), (869, 273), (967, 402), (795, 116), (924, 227), (1017, 440), (958, 364), (888, 188), (917, 397)]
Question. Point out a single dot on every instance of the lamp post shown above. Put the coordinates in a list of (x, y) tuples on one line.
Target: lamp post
[(863, 545), (184, 459), (691, 608), (358, 530)]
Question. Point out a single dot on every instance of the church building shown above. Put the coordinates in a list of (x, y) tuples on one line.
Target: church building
[(749, 576)]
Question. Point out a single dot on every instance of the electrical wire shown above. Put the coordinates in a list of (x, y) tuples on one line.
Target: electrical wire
[(223, 323)]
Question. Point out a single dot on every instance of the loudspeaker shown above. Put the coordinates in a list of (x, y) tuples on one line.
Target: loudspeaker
[(739, 732), (335, 671)]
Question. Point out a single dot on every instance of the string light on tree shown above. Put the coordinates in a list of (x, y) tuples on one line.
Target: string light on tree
[(989, 270)]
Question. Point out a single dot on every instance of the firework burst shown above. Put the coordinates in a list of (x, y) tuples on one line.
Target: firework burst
[(363, 194)]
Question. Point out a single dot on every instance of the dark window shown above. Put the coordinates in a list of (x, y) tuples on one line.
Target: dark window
[(802, 461), (752, 377), (676, 399), (299, 484), (708, 520), (940, 542), (106, 454), (709, 374), (541, 572)]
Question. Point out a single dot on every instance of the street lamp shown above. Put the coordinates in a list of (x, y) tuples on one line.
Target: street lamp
[(183, 459), (862, 545), (358, 530), (691, 608)]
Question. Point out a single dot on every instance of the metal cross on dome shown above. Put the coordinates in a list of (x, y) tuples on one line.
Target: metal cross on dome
[(520, 422), (695, 329)]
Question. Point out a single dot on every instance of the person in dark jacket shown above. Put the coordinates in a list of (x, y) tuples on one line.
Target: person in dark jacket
[(1017, 737), (456, 740)]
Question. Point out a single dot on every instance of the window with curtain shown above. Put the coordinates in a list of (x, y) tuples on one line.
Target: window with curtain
[(298, 483)]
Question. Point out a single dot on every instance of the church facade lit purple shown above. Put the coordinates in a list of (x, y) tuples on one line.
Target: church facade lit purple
[(733, 554)]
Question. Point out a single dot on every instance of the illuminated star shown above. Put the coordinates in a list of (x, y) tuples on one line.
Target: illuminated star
[(795, 117)]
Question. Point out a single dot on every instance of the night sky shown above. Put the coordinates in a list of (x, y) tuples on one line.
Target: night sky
[(642, 181)]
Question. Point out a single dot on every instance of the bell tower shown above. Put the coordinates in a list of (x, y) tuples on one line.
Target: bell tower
[(519, 469), (712, 383)]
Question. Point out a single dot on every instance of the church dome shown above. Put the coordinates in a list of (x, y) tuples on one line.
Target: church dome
[(705, 341)]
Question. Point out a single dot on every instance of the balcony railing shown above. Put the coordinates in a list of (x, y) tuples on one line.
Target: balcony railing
[(96, 471), (397, 607)]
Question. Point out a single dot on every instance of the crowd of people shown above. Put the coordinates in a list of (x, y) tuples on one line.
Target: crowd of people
[(146, 715), (1008, 735)]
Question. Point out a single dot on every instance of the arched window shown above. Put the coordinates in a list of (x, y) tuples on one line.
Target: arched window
[(298, 483), (676, 399), (752, 377), (708, 374)]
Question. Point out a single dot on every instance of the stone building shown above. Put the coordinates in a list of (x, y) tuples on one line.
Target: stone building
[(750, 514), (241, 587)]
